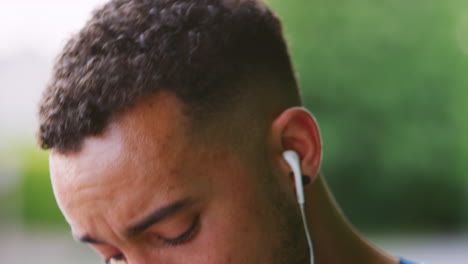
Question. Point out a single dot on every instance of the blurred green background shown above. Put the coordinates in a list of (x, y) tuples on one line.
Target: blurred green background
[(387, 83)]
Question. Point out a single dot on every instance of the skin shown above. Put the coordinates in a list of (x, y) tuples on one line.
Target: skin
[(233, 204)]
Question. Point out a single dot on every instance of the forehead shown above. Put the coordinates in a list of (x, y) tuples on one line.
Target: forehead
[(142, 150), (153, 129)]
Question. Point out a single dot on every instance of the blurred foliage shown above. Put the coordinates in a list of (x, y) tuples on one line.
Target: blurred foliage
[(39, 207), (387, 82)]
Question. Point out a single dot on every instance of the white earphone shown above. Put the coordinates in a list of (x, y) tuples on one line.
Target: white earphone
[(294, 162)]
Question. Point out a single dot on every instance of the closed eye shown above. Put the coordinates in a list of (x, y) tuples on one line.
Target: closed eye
[(185, 236), (180, 239)]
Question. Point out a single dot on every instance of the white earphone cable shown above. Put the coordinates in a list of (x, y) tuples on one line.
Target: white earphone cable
[(306, 228)]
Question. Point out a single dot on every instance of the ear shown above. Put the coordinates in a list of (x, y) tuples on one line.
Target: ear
[(296, 129)]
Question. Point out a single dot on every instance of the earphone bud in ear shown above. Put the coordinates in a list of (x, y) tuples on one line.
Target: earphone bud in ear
[(294, 161)]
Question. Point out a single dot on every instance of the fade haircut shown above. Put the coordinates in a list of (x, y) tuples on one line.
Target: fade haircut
[(197, 49)]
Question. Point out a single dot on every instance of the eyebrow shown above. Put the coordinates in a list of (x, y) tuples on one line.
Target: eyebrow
[(157, 215)]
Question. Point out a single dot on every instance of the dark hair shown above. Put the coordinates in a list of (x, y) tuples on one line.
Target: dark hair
[(129, 49)]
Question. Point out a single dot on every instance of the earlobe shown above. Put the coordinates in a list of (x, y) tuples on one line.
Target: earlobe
[(296, 129)]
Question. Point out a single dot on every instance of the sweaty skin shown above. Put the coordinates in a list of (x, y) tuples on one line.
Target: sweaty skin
[(147, 159), (150, 190)]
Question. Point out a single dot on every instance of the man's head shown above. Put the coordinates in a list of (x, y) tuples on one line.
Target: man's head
[(166, 122), (209, 53)]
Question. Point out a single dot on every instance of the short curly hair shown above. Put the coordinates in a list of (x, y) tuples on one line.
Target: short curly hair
[(129, 49)]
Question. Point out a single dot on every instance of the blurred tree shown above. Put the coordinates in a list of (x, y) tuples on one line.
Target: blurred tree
[(39, 206), (460, 8), (385, 80)]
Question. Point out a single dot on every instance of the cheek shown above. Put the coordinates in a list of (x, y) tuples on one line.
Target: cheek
[(235, 227), (236, 224), (226, 238)]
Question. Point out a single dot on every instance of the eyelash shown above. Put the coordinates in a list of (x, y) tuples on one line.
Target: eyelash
[(185, 237)]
